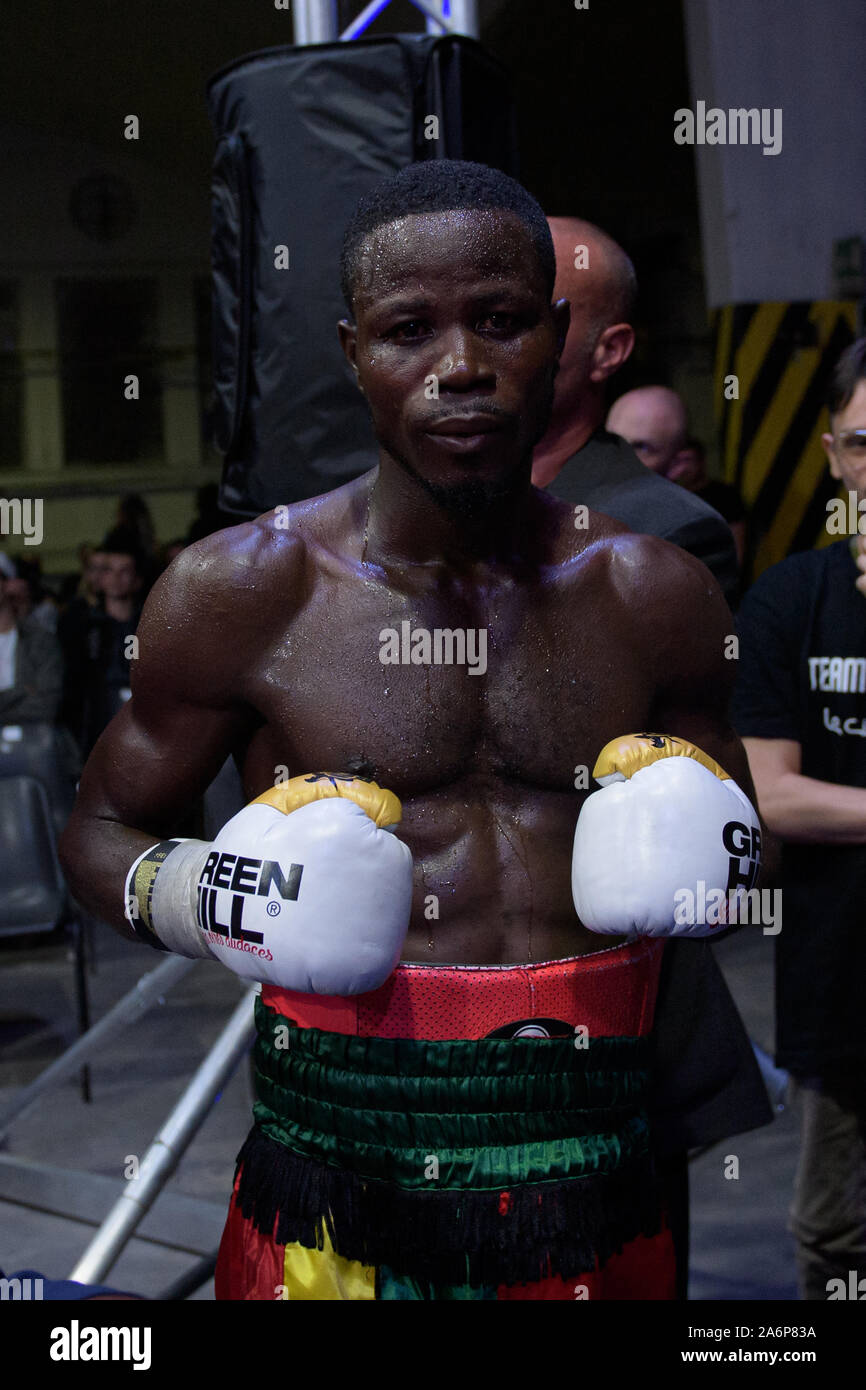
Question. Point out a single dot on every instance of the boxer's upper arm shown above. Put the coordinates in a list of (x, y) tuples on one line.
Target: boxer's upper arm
[(693, 655), (203, 625), (175, 732), (690, 644), (153, 761)]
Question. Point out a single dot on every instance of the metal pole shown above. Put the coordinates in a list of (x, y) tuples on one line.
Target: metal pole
[(315, 21), (81, 995), (440, 25), (455, 17), (169, 1145), (148, 991), (464, 17), (360, 22), (436, 26)]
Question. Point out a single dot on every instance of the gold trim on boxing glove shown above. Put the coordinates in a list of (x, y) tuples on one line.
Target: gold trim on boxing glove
[(381, 806), (622, 757)]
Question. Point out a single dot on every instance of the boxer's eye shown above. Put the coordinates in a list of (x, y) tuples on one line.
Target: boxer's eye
[(407, 331), (501, 324)]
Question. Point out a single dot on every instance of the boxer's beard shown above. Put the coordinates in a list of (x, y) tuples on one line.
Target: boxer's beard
[(470, 503)]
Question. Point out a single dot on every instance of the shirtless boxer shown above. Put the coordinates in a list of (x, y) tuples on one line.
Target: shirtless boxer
[(468, 1122)]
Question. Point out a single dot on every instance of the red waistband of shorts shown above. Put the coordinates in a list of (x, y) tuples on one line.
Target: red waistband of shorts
[(612, 993)]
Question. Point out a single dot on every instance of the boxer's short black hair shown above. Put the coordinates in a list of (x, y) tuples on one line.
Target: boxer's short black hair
[(442, 185), (847, 373)]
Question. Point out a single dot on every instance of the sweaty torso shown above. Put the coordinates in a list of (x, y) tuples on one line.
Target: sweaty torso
[(492, 766)]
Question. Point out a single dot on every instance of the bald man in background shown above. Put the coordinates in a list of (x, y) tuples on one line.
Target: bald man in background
[(653, 421), (706, 1082), (578, 460)]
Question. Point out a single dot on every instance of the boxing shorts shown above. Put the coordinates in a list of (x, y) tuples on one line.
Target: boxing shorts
[(462, 1132)]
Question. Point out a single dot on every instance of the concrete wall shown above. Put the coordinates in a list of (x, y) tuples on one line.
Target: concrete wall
[(769, 221)]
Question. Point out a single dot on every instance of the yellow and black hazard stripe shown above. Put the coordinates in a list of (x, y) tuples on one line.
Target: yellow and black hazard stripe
[(782, 355)]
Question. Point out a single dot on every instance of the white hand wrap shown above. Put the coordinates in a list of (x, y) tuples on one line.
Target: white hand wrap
[(161, 887)]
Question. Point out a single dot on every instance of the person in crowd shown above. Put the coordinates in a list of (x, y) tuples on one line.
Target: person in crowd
[(653, 420), (800, 708), (96, 642), (580, 461), (38, 601), (31, 665), (135, 531), (689, 469), (90, 584)]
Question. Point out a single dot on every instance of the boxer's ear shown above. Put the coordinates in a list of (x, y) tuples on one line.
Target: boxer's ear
[(347, 332)]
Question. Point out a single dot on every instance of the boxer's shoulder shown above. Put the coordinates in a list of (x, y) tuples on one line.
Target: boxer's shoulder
[(637, 558), (232, 565), (210, 612), (622, 559), (631, 558), (670, 603), (650, 590)]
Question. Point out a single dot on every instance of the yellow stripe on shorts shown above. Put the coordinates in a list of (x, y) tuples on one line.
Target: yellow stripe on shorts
[(325, 1276)]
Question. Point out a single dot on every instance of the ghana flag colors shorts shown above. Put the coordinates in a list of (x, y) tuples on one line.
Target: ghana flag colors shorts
[(463, 1132)]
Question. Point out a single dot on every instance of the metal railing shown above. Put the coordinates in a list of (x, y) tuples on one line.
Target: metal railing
[(149, 990), (315, 21), (175, 1135), (169, 1145)]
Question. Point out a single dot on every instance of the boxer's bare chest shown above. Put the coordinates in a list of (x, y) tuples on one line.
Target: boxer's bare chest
[(432, 677), (482, 702)]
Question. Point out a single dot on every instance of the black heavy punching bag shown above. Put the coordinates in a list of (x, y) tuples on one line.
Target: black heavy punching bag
[(302, 133)]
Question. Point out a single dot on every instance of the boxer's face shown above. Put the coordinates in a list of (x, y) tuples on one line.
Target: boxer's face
[(454, 303)]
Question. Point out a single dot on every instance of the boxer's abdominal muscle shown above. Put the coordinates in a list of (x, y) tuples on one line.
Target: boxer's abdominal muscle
[(496, 858), (492, 874)]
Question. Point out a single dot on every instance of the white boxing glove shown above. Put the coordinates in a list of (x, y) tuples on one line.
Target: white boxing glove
[(668, 847), (304, 888)]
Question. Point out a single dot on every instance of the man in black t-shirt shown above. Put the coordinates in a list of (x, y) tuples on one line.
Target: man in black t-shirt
[(800, 708)]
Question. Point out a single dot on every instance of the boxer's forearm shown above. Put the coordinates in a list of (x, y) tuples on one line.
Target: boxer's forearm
[(806, 811), (147, 770), (96, 856)]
